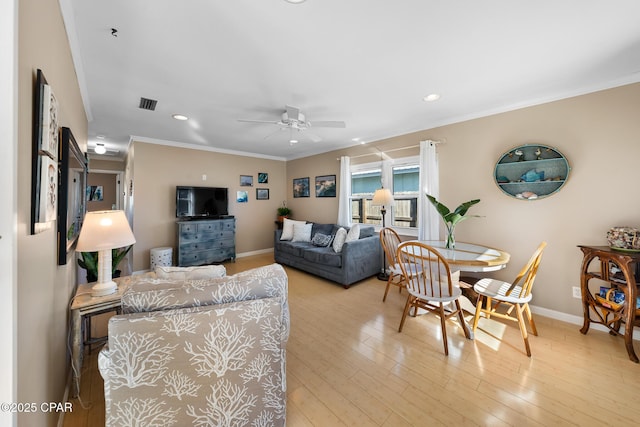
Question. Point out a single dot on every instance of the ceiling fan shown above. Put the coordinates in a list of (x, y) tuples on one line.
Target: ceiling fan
[(294, 120)]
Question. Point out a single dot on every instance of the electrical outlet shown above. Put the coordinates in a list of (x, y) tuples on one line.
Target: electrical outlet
[(576, 292)]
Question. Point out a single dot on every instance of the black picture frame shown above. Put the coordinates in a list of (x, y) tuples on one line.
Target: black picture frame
[(263, 178), (36, 162), (262, 194), (72, 203), (301, 187), (326, 186)]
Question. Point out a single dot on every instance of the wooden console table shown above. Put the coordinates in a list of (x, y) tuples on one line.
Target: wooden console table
[(621, 270)]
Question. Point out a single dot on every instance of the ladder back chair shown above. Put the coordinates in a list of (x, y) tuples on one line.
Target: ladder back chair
[(515, 296), (431, 285), (390, 241)]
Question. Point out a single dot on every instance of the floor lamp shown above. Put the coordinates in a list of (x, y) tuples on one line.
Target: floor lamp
[(103, 231), (383, 197)]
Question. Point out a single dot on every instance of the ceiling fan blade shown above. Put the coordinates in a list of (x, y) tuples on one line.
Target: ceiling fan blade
[(260, 121), (293, 112), (328, 124), (313, 137), (271, 134)]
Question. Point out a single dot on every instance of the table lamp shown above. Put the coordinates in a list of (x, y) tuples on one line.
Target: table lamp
[(383, 198), (103, 231)]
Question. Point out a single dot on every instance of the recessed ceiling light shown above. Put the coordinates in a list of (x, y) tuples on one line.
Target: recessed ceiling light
[(431, 97), (293, 141), (180, 117), (295, 1), (100, 149), (100, 136)]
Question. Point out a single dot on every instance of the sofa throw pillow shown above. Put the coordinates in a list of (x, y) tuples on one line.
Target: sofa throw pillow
[(301, 232), (322, 240), (338, 240), (287, 228), (354, 233), (190, 273)]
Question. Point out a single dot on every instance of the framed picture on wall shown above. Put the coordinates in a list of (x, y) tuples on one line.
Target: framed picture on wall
[(301, 187), (95, 193), (246, 180), (263, 178), (262, 194), (242, 196), (326, 186)]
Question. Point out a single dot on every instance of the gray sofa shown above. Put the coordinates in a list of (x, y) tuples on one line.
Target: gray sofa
[(358, 260)]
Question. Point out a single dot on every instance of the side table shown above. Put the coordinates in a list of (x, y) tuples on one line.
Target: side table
[(82, 305), (621, 270)]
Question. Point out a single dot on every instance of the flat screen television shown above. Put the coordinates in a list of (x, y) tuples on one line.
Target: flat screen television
[(201, 202)]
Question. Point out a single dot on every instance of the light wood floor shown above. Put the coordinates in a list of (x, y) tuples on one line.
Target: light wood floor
[(348, 365)]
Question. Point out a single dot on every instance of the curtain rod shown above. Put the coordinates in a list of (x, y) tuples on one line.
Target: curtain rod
[(379, 153)]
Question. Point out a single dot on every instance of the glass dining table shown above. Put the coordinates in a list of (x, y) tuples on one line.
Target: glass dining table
[(471, 257)]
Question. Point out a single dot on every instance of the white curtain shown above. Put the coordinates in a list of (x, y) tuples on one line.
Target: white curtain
[(429, 219), (344, 211)]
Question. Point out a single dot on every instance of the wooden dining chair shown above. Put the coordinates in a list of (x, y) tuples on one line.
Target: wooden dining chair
[(390, 241), (493, 293), (431, 285)]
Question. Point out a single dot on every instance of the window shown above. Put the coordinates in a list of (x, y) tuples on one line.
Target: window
[(406, 184), (402, 176), (363, 184)]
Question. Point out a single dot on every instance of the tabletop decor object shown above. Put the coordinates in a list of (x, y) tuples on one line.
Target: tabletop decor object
[(451, 219), (624, 238), (103, 231)]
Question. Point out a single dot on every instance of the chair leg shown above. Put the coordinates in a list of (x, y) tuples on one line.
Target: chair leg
[(523, 329), (527, 311), (443, 325), (405, 312), (489, 307), (463, 322), (478, 310), (386, 291)]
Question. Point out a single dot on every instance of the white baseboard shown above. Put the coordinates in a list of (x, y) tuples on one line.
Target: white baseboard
[(576, 320), (258, 252)]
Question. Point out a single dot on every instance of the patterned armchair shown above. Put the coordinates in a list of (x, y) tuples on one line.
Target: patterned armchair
[(199, 352)]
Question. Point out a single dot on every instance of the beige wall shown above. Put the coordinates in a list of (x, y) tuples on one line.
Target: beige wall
[(598, 133), (158, 169), (44, 288), (106, 165)]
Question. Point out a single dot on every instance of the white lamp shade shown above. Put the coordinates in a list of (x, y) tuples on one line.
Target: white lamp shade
[(104, 230), (382, 197)]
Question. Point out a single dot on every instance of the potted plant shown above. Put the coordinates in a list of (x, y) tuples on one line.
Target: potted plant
[(283, 212), (89, 261), (451, 219)]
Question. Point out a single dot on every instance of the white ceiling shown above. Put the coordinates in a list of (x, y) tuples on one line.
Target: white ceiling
[(366, 62)]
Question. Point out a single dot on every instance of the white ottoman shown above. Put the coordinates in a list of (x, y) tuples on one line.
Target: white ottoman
[(161, 257)]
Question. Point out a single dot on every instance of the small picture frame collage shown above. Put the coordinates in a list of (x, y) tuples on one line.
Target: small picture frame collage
[(262, 193), (325, 186)]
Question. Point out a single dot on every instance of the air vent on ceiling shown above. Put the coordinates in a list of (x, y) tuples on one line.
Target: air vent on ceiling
[(148, 104)]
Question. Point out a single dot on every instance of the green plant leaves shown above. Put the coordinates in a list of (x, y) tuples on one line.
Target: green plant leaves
[(452, 218)]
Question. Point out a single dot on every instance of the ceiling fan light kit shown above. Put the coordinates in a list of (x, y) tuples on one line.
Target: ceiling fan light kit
[(293, 119)]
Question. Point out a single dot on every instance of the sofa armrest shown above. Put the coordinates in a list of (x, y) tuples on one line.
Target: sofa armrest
[(366, 252), (185, 360)]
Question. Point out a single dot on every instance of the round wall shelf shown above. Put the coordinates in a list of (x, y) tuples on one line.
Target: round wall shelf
[(531, 171)]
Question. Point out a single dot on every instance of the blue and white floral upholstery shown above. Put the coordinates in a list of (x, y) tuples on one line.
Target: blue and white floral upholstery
[(199, 352)]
